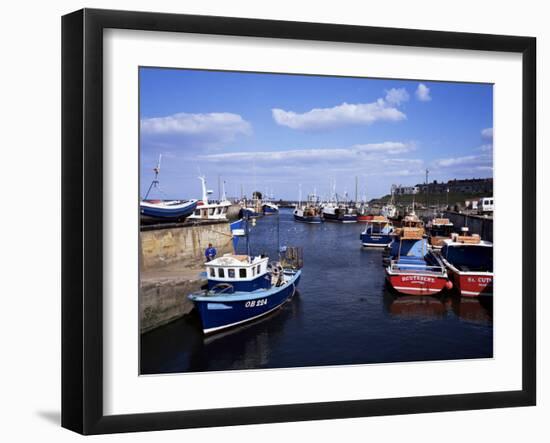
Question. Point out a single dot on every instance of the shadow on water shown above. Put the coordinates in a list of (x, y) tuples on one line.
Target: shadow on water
[(344, 314)]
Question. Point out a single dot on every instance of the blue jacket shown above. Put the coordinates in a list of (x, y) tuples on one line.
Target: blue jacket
[(210, 253)]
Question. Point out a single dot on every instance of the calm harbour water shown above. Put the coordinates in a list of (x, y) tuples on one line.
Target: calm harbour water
[(343, 314)]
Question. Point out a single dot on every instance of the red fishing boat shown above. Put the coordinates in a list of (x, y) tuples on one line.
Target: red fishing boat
[(414, 269), (469, 261)]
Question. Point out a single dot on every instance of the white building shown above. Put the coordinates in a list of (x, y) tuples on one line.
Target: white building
[(405, 190)]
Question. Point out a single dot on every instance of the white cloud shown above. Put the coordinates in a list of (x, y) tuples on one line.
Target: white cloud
[(423, 93), (485, 148), (215, 127), (455, 161), (487, 134), (397, 96), (341, 115), (314, 155)]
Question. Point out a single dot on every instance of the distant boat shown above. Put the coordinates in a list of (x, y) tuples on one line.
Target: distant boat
[(210, 211), (270, 208), (250, 212), (414, 269), (363, 213), (389, 210), (308, 212), (469, 261), (152, 211), (378, 232), (242, 288), (340, 213)]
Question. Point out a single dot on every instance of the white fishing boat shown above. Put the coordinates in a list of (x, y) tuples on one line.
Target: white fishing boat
[(210, 211)]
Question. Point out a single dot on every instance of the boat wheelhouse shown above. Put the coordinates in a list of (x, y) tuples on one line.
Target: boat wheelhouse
[(210, 211), (439, 230), (378, 232), (469, 261), (242, 288), (413, 268)]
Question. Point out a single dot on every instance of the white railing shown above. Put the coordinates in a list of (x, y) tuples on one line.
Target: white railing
[(427, 269)]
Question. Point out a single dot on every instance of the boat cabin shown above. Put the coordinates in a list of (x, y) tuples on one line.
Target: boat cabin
[(468, 253), (440, 229), (230, 273), (215, 211), (378, 225)]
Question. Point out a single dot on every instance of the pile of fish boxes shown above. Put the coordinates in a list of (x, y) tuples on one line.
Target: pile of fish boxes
[(412, 233), (471, 239)]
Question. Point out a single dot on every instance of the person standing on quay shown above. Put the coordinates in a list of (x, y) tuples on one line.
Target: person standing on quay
[(210, 252)]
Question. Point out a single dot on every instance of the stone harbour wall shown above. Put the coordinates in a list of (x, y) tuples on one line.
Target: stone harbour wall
[(172, 266), (163, 247)]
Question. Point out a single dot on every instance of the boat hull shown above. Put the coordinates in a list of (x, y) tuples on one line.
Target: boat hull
[(376, 240), (314, 219), (416, 284), (340, 218), (270, 211), (471, 284), (223, 311), (365, 217), (161, 212)]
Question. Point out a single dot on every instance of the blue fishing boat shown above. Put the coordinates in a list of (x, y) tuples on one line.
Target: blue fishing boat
[(242, 288), (270, 208), (152, 211), (378, 232), (166, 210)]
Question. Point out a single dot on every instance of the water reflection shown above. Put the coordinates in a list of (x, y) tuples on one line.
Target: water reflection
[(474, 310), (415, 306), (184, 347)]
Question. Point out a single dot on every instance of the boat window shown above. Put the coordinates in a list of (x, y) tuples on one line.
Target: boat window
[(242, 273), (253, 271), (258, 269), (212, 272), (231, 273), (221, 273)]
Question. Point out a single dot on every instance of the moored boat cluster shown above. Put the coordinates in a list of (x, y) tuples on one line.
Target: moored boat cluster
[(420, 259), (427, 260)]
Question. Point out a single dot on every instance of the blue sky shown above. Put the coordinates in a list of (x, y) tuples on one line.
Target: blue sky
[(273, 132)]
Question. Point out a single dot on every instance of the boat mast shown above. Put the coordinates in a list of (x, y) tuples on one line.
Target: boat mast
[(356, 184), (224, 197), (247, 232), (204, 193), (155, 181), (278, 236)]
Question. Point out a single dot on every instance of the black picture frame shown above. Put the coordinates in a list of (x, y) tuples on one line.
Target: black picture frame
[(82, 218)]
